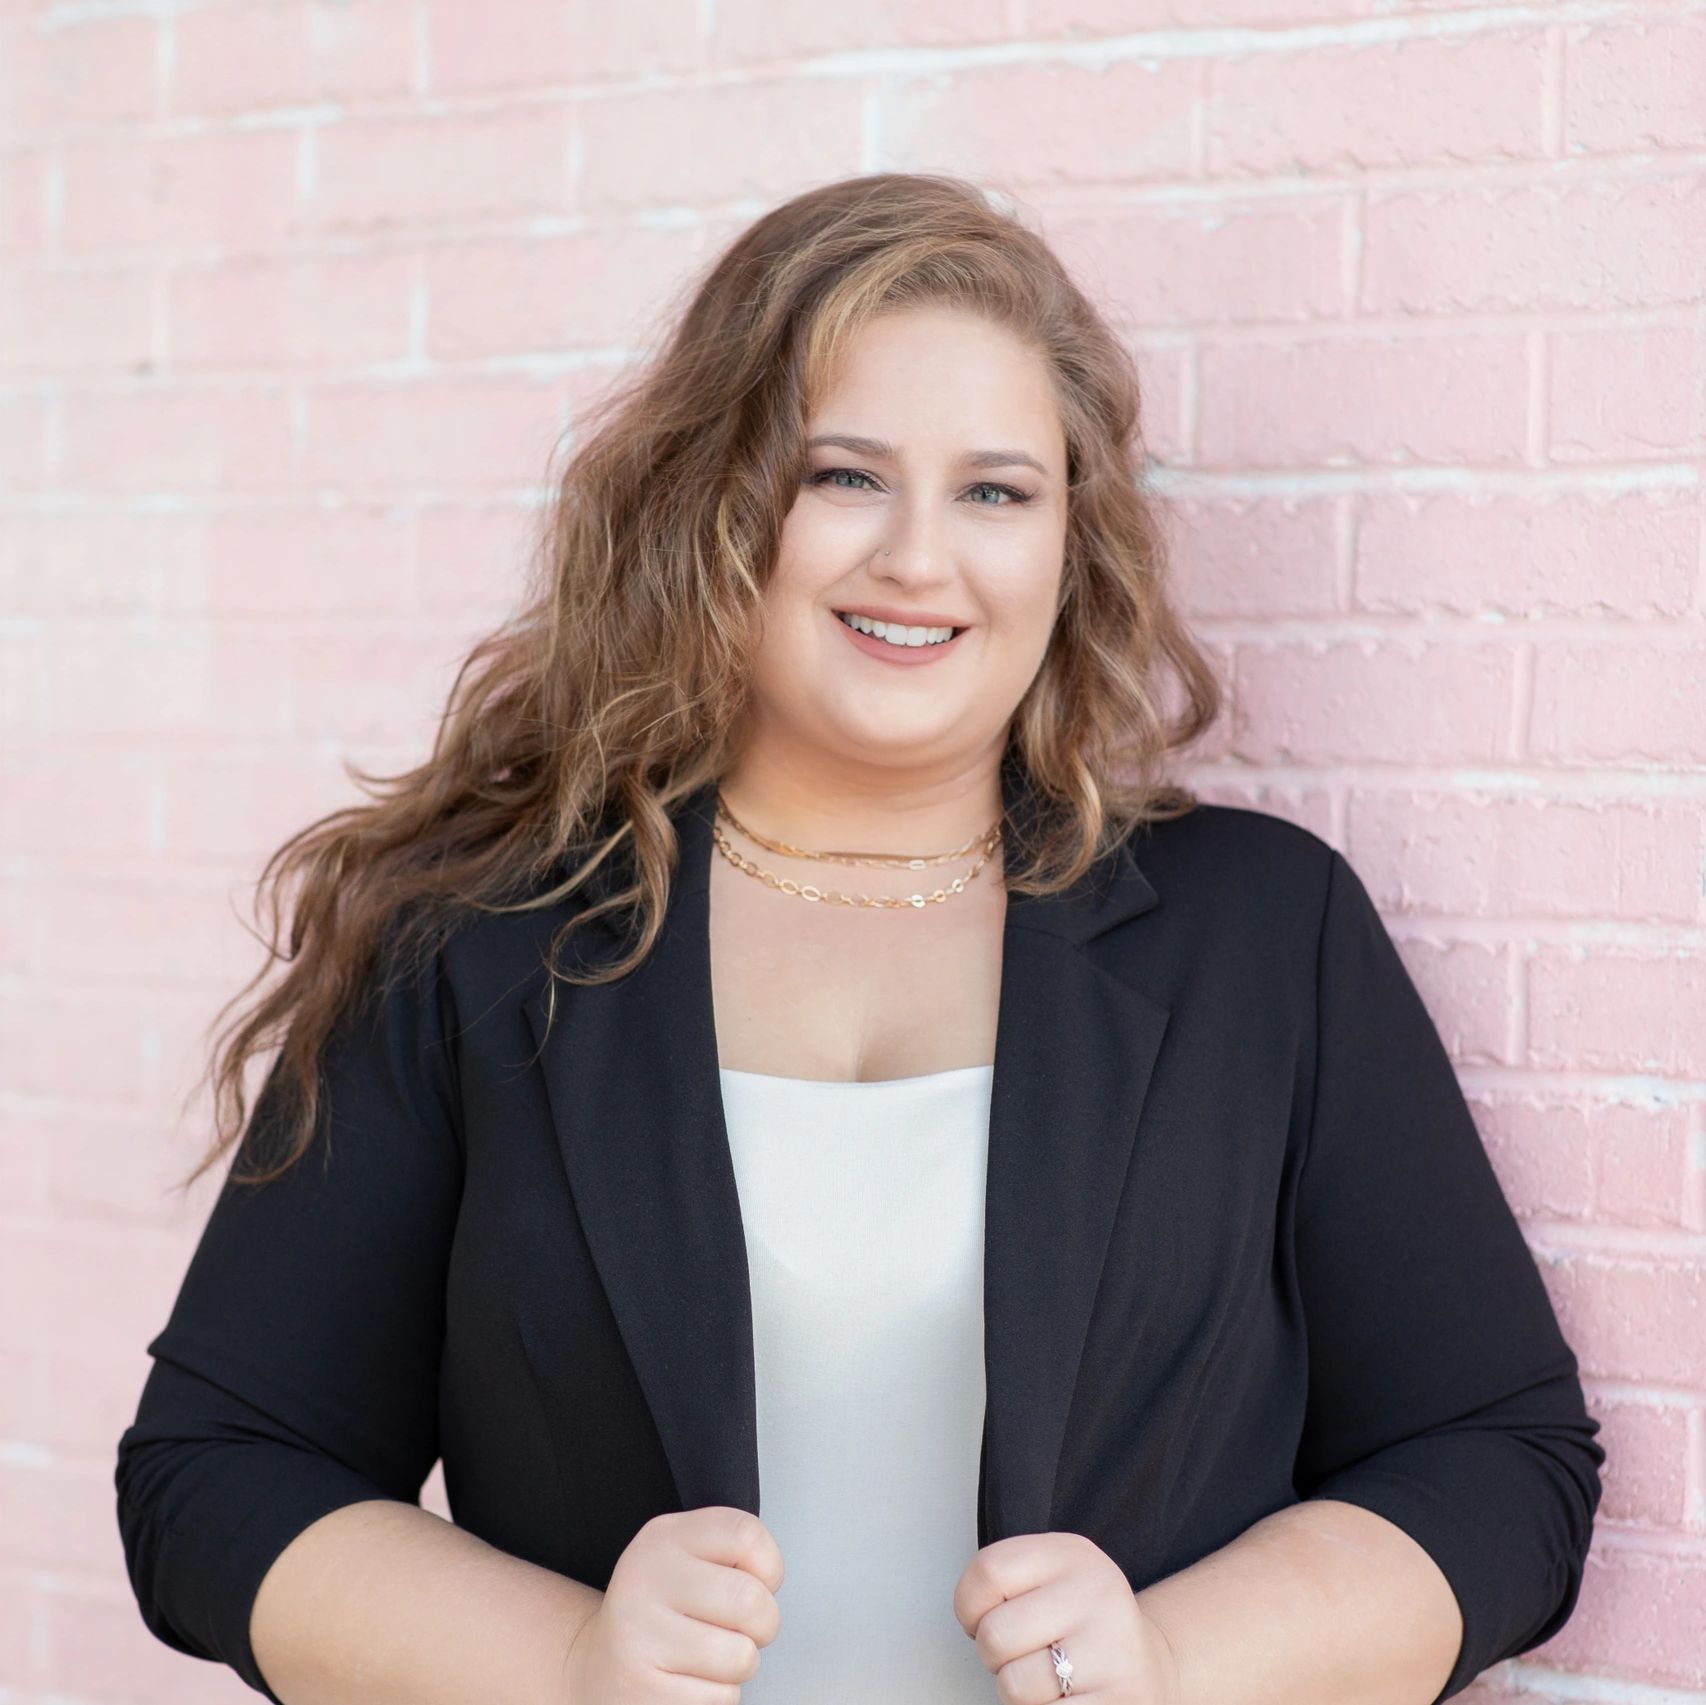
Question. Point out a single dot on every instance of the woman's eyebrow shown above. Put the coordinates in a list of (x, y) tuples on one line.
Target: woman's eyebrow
[(878, 448)]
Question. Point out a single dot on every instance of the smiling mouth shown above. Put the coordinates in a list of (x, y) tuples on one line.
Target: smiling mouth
[(935, 634)]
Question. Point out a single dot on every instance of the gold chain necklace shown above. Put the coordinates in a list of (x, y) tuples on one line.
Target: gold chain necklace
[(913, 861), (810, 891)]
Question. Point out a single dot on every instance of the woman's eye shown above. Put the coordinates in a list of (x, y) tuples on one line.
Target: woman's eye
[(830, 473), (1013, 495), (1012, 492)]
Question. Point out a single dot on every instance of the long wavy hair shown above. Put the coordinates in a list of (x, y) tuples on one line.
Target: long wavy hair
[(572, 730)]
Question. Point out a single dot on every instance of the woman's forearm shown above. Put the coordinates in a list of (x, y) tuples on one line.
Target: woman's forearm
[(1320, 1603), (384, 1603)]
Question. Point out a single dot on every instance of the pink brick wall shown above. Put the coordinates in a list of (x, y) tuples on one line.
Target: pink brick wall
[(295, 297)]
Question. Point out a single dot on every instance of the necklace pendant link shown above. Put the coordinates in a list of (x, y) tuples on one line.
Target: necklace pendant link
[(834, 896)]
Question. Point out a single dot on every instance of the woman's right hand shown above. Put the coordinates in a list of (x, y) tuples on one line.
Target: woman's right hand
[(692, 1596)]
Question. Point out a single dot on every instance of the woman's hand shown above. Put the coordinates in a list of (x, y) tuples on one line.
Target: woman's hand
[(690, 1601), (1018, 1594)]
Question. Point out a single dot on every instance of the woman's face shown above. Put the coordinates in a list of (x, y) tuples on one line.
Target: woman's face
[(927, 509)]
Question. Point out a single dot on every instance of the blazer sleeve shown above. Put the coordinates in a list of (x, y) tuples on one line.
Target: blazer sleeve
[(298, 1370), (1442, 1394)]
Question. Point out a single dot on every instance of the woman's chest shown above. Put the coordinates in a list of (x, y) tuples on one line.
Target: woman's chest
[(604, 1297), (812, 990)]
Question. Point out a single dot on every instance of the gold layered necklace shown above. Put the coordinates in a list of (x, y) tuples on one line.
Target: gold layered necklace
[(984, 845)]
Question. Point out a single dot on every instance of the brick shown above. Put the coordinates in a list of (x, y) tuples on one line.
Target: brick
[(1218, 262), (763, 139), (353, 559), (71, 72), (216, 191), (23, 435), (1621, 701), (1587, 1162), (23, 1166), (29, 201), (474, 558), (1328, 402), (1632, 1316), (230, 61), (46, 820), (1597, 245), (1641, 1618), (163, 437), (1483, 855), (1130, 120), (1617, 1010), (602, 288), (324, 564), (1626, 393), (1265, 556), (131, 927), (59, 1515), (65, 320), (111, 1168), (1400, 701), (444, 430), (1348, 107), (1635, 83), (1646, 1466), (228, 805), (363, 683), (1079, 20), (415, 170), (97, 1648), (540, 44), (104, 563), (1629, 553), (26, 683), (1466, 987), (269, 314), (17, 1627), (182, 678), (758, 32), (1164, 373), (67, 1273)]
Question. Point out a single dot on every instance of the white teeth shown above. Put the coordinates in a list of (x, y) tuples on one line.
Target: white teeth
[(895, 634)]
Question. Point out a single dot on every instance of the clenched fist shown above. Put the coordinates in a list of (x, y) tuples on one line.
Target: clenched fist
[(692, 1596)]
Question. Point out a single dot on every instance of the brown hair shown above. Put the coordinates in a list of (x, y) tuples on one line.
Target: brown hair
[(577, 725)]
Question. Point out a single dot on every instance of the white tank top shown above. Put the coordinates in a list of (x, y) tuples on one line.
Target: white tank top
[(863, 1209)]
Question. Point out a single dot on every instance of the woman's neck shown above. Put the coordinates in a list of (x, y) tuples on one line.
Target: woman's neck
[(819, 804)]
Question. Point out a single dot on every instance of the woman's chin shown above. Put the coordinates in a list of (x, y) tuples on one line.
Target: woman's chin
[(898, 737)]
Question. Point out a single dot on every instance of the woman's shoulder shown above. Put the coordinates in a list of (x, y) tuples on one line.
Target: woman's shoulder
[(1216, 846), (1240, 895)]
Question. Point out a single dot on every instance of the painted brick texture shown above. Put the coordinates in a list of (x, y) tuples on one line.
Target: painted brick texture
[(297, 298)]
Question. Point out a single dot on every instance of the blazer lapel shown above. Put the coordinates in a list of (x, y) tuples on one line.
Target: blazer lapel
[(631, 1073)]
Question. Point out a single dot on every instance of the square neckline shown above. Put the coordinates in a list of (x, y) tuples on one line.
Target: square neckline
[(872, 1083)]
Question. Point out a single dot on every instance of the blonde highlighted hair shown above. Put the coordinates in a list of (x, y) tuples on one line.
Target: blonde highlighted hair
[(573, 730)]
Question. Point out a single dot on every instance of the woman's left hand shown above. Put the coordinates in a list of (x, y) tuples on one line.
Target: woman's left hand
[(1018, 1594)]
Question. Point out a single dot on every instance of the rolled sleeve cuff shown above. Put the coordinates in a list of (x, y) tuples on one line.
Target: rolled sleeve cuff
[(1486, 1508)]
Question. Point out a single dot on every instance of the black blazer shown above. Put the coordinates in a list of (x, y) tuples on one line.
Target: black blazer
[(1244, 1246)]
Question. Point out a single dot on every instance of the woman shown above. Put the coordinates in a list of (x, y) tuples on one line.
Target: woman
[(789, 1056)]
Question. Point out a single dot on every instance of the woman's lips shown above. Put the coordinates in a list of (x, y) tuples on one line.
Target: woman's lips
[(907, 656)]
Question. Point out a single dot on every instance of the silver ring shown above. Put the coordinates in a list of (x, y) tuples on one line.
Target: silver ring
[(1062, 1666)]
